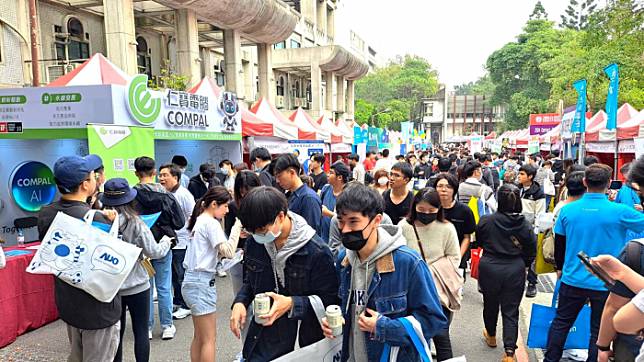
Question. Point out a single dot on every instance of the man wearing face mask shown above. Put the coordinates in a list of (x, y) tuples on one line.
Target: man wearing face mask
[(285, 259), (378, 271)]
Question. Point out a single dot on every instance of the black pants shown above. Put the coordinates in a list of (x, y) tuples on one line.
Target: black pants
[(502, 282), (177, 277), (532, 275), (139, 306), (571, 300), (441, 340)]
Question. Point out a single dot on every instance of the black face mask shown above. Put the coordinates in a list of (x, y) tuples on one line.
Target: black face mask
[(354, 240), (426, 218)]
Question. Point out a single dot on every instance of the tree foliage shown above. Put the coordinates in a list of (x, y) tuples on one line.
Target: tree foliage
[(398, 88), (577, 14), (539, 12), (535, 72)]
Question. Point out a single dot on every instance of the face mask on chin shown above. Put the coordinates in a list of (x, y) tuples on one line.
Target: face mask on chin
[(355, 240)]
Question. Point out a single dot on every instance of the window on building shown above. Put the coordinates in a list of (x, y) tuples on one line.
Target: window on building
[(297, 89), (429, 109), (78, 47), (280, 86), (295, 44), (280, 45), (220, 73), (143, 57), (309, 97)]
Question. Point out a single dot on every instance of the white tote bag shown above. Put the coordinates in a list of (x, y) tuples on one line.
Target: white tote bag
[(85, 257), (326, 350)]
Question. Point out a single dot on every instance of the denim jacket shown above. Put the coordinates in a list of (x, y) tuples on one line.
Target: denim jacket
[(310, 271), (401, 286)]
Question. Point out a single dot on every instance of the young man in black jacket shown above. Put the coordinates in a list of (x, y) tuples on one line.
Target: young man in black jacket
[(92, 326), (261, 159), (152, 197), (205, 179)]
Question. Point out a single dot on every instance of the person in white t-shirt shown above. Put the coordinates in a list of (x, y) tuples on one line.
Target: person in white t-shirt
[(207, 245), (385, 163)]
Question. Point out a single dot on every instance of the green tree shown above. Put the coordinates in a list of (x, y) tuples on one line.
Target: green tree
[(539, 12), (577, 14), (398, 88)]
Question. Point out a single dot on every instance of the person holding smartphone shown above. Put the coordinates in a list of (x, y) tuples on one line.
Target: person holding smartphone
[(597, 226)]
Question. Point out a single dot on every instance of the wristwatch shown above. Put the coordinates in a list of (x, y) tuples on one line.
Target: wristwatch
[(603, 348)]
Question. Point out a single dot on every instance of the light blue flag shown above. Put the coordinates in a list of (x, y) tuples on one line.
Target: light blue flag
[(149, 220), (579, 122), (612, 71)]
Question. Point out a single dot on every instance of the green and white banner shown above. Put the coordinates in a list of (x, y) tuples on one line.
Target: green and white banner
[(119, 146)]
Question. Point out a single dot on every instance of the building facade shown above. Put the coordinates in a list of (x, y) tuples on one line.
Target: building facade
[(285, 51), (447, 115)]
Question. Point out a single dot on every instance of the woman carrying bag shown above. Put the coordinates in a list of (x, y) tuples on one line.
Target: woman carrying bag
[(435, 239), (135, 291), (509, 247)]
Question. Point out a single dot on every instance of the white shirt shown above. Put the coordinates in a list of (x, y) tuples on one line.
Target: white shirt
[(384, 164), (3, 260), (359, 172), (187, 203), (203, 252)]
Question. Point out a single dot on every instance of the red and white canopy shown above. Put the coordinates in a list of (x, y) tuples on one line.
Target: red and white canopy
[(94, 71), (347, 133), (551, 136), (207, 86), (336, 134), (600, 133), (491, 136), (304, 121), (632, 128), (263, 112)]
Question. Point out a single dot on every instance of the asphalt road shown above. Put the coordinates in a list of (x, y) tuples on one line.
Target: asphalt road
[(50, 342)]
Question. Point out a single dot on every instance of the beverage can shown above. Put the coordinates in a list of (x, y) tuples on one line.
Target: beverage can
[(334, 318), (261, 306)]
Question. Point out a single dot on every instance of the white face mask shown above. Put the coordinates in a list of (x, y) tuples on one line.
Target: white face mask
[(383, 181)]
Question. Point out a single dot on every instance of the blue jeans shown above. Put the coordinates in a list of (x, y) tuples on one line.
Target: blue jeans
[(162, 280), (571, 300)]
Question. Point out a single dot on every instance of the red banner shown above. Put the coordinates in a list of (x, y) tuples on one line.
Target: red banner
[(545, 119)]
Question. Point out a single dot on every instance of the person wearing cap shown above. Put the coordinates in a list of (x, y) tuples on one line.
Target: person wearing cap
[(152, 198), (182, 162), (135, 291), (94, 200), (338, 178), (92, 326)]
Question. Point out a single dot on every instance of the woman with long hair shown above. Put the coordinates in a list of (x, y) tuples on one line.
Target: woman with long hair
[(428, 232), (381, 181), (208, 244), (509, 248), (135, 291)]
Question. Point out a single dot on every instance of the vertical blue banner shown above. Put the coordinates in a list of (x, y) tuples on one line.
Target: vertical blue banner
[(612, 71), (579, 122)]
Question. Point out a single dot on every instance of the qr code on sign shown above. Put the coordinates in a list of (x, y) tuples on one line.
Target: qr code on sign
[(130, 164), (118, 164)]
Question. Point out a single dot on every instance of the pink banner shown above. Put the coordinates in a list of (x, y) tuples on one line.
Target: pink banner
[(538, 130)]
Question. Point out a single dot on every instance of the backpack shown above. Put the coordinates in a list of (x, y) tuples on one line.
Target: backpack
[(478, 206), (633, 255)]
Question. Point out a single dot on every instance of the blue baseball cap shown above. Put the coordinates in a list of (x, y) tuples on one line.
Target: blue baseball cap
[(117, 192), (70, 171)]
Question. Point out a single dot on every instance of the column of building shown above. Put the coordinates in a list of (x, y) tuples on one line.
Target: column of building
[(188, 60), (265, 70), (232, 61), (120, 38)]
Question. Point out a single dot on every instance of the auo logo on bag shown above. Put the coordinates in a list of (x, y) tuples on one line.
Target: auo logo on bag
[(108, 260), (142, 106), (333, 356)]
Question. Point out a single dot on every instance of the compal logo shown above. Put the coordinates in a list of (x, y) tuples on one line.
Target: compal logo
[(32, 185), (142, 106)]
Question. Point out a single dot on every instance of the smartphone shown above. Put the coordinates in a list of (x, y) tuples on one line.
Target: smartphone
[(596, 270), (615, 185)]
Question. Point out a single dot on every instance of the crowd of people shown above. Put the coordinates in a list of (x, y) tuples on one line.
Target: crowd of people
[(382, 237)]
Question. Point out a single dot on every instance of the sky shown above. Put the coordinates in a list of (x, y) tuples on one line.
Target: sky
[(455, 36)]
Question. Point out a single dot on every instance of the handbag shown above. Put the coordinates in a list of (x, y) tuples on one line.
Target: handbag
[(85, 257), (541, 318), (325, 350), (448, 281), (147, 265), (415, 332), (475, 258)]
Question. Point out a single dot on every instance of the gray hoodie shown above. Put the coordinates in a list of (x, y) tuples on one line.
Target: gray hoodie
[(136, 232), (390, 238), (300, 234)]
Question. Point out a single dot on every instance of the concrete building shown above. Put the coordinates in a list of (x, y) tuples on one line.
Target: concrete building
[(282, 50), (447, 114)]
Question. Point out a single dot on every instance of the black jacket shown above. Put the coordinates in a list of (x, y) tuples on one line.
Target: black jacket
[(535, 192), (504, 235), (266, 178), (426, 170), (152, 198), (197, 188)]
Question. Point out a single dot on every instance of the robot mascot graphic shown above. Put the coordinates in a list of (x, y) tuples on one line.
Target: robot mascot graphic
[(230, 109)]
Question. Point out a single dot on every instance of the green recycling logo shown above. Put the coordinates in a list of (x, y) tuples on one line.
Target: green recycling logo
[(142, 106)]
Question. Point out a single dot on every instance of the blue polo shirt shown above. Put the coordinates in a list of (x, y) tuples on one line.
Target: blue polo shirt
[(306, 203), (596, 226)]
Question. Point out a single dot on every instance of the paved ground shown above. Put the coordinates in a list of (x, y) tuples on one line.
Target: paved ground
[(50, 343)]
